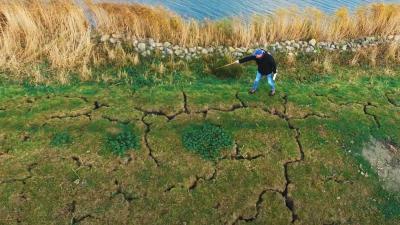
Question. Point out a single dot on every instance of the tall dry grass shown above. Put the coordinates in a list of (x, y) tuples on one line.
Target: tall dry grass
[(33, 31), (284, 24), (58, 31)]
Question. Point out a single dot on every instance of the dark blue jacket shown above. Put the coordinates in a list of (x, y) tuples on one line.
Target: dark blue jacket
[(266, 64)]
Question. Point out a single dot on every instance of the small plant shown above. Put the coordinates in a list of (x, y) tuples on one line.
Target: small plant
[(206, 139), (61, 139), (119, 143)]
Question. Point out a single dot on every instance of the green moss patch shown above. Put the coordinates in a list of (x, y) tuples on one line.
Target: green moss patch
[(206, 139), (122, 141), (61, 139)]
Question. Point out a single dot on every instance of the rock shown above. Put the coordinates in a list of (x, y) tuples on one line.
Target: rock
[(169, 51), (117, 36), (151, 41), (176, 47), (178, 52), (370, 39), (142, 47), (135, 42), (113, 40), (312, 42), (397, 38), (296, 45), (289, 48), (204, 51), (309, 49), (167, 44), (105, 38), (344, 48), (287, 42), (390, 37), (231, 49), (192, 50), (188, 58)]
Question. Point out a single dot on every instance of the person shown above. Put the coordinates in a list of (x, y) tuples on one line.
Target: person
[(266, 67)]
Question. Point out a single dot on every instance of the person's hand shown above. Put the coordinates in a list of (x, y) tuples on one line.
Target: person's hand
[(237, 62)]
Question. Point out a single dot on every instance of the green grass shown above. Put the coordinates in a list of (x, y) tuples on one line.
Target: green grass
[(206, 140), (122, 141), (60, 139), (143, 158)]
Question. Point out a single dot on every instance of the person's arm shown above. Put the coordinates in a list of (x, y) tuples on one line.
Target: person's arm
[(246, 59), (273, 66)]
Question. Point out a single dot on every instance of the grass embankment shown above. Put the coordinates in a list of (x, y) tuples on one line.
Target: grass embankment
[(58, 34), (114, 152)]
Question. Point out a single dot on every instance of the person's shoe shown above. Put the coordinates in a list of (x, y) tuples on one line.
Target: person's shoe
[(252, 91), (272, 93)]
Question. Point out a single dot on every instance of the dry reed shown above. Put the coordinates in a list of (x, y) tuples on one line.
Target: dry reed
[(59, 32)]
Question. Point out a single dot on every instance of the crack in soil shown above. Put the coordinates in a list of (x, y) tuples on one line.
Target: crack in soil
[(79, 97), (88, 113), (23, 180), (127, 196), (375, 117), (285, 194), (185, 103), (337, 103), (115, 120), (168, 189), (79, 163), (146, 134), (240, 100), (77, 220), (239, 156), (337, 179), (205, 178), (313, 114), (258, 208), (391, 100), (159, 113)]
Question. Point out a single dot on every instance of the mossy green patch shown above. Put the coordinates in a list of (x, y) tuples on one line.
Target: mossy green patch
[(206, 140), (61, 139), (122, 141)]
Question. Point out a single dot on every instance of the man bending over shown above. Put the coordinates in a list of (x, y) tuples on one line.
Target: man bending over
[(266, 67)]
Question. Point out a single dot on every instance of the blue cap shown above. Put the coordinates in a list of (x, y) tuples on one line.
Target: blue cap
[(258, 52)]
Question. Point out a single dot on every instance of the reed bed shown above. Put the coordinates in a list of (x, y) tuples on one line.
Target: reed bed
[(59, 34)]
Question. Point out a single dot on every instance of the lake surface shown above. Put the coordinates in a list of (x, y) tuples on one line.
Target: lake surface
[(214, 9)]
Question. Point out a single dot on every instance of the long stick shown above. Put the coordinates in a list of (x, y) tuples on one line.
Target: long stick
[(226, 65)]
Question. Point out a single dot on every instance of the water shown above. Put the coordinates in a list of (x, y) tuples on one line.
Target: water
[(214, 9)]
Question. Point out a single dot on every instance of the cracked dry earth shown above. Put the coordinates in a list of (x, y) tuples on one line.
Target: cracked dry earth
[(294, 158)]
